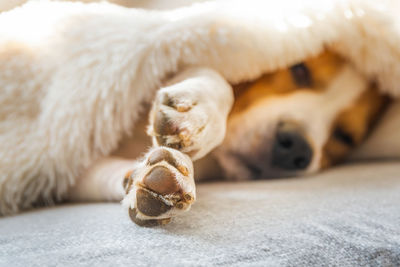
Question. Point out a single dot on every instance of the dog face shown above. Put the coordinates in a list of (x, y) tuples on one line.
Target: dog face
[(298, 120)]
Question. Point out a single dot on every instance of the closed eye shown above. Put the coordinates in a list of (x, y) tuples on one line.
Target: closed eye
[(301, 75), (345, 138)]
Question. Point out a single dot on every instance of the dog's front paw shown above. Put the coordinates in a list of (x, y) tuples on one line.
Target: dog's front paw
[(160, 187), (184, 117)]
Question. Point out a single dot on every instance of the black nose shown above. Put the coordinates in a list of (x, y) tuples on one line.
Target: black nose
[(291, 150)]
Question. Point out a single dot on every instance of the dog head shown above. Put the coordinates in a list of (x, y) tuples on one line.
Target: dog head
[(299, 120)]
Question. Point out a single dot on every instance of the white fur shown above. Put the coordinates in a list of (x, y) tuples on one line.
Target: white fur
[(102, 181), (73, 76)]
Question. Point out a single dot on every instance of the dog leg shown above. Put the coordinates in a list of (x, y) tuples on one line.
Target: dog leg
[(103, 181), (190, 114), (156, 188)]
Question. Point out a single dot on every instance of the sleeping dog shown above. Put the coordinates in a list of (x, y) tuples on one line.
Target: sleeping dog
[(291, 122)]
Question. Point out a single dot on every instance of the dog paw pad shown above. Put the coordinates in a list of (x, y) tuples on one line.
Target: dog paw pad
[(147, 223), (161, 180), (150, 204)]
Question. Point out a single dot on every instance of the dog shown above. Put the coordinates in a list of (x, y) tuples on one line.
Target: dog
[(292, 122), (66, 108)]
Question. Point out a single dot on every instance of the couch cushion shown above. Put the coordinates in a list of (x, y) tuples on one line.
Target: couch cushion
[(346, 216)]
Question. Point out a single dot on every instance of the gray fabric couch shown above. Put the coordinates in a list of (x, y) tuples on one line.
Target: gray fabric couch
[(347, 216)]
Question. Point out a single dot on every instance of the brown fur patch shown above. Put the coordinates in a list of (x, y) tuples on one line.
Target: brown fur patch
[(353, 125), (322, 68)]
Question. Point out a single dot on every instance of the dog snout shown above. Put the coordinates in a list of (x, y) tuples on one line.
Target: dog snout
[(291, 150)]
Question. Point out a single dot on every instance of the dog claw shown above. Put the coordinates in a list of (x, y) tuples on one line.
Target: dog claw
[(188, 197), (184, 135), (127, 182), (180, 205), (183, 170)]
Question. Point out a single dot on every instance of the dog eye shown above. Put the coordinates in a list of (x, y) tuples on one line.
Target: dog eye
[(343, 137), (301, 75)]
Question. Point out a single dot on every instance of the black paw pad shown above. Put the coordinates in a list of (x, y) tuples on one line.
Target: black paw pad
[(150, 205), (146, 223), (161, 180), (163, 125)]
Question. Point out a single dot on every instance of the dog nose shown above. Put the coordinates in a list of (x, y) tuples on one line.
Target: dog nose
[(291, 150)]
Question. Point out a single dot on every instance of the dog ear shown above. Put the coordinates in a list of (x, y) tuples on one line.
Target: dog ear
[(353, 125)]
